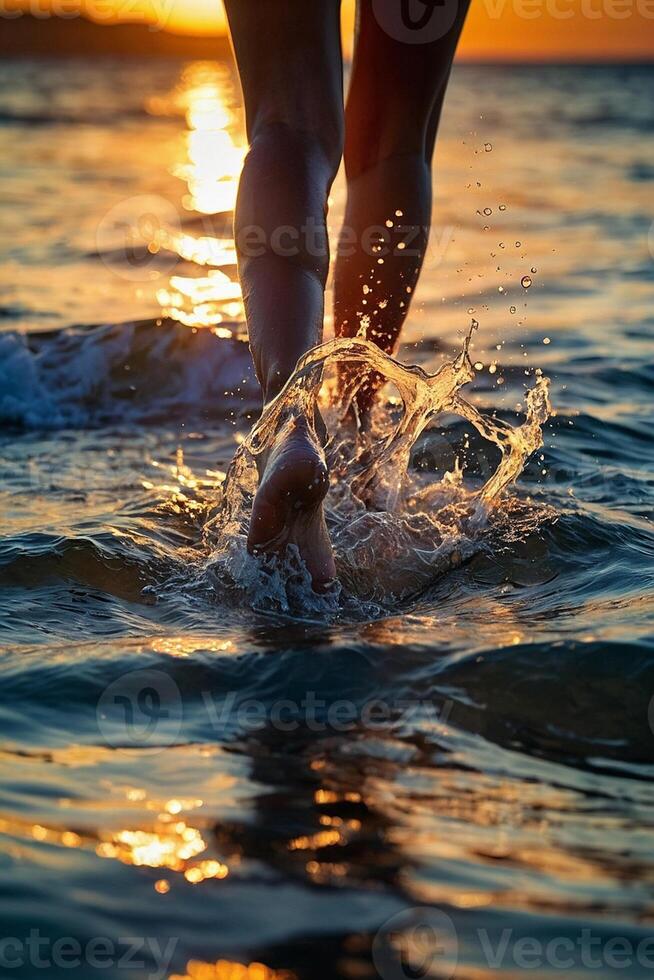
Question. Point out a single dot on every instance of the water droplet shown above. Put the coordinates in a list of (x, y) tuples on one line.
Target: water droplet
[(398, 213), (389, 223), (502, 207), (525, 282), (488, 147), (512, 309), (533, 270), (546, 340), (488, 210)]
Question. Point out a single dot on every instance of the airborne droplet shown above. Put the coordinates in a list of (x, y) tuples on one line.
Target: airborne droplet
[(525, 282)]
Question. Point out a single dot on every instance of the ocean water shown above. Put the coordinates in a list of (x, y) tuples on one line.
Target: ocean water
[(446, 770)]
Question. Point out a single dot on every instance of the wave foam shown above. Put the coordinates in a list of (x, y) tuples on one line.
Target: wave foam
[(122, 372)]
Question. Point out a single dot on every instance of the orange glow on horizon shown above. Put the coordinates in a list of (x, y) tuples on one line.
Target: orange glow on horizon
[(496, 30)]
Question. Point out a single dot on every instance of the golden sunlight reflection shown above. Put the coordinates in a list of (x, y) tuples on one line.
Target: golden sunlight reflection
[(170, 843), (180, 485), (210, 169), (206, 96), (229, 970), (503, 625), (200, 302), (201, 251), (183, 646)]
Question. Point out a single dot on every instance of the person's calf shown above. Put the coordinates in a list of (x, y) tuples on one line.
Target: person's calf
[(282, 245)]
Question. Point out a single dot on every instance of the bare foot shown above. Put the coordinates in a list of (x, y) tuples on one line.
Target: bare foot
[(288, 506)]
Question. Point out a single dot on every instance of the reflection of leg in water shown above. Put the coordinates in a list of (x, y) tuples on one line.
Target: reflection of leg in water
[(289, 62), (312, 825), (393, 109)]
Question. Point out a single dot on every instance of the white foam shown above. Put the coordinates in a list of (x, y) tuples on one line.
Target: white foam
[(122, 372)]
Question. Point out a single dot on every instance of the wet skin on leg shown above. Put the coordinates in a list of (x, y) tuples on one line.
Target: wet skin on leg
[(391, 120), (289, 60)]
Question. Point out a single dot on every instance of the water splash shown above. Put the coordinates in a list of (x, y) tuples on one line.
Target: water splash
[(393, 532)]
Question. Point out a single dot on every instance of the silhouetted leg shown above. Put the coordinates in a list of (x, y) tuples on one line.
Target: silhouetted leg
[(289, 60), (392, 113)]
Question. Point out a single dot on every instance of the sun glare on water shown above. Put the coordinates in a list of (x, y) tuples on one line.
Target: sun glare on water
[(210, 168), (214, 159)]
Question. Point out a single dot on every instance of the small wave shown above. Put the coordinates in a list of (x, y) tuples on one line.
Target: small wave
[(130, 372), (508, 697)]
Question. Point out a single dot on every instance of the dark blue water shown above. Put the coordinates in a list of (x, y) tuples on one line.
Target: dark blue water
[(449, 772)]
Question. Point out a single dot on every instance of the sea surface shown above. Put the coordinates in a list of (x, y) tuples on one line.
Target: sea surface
[(446, 770)]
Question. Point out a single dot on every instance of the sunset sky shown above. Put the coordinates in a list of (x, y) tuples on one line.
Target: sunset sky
[(495, 30)]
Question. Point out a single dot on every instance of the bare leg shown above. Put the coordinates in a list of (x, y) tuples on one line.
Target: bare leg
[(393, 109), (289, 60)]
